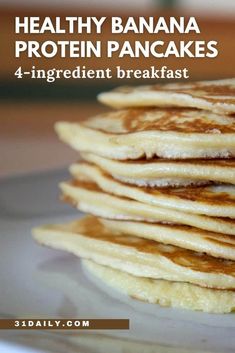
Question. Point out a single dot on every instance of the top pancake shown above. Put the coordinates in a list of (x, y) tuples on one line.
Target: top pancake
[(166, 133), (217, 96)]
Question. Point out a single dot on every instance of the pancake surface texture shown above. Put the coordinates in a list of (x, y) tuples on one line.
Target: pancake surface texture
[(88, 197), (166, 133), (213, 244), (165, 293), (214, 201), (217, 96), (163, 172), (90, 239)]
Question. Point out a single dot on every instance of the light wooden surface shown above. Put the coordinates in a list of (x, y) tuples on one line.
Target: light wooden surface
[(28, 142)]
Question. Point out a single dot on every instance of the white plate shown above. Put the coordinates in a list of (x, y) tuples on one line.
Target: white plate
[(40, 282)]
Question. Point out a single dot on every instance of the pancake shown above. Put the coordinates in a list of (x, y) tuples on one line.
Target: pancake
[(88, 197), (213, 244), (166, 293), (165, 173), (166, 133), (90, 239), (217, 96), (214, 201)]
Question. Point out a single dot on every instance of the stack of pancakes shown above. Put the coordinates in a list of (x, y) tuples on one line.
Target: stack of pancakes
[(158, 180)]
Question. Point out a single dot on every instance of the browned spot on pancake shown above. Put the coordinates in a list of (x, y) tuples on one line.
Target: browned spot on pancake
[(199, 194), (179, 120), (217, 90), (93, 228), (221, 242), (201, 262), (175, 120), (88, 185), (69, 200)]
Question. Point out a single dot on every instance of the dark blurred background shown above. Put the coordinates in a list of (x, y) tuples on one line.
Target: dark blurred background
[(29, 108)]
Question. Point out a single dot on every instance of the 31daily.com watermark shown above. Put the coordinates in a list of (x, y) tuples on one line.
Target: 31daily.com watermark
[(60, 324)]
